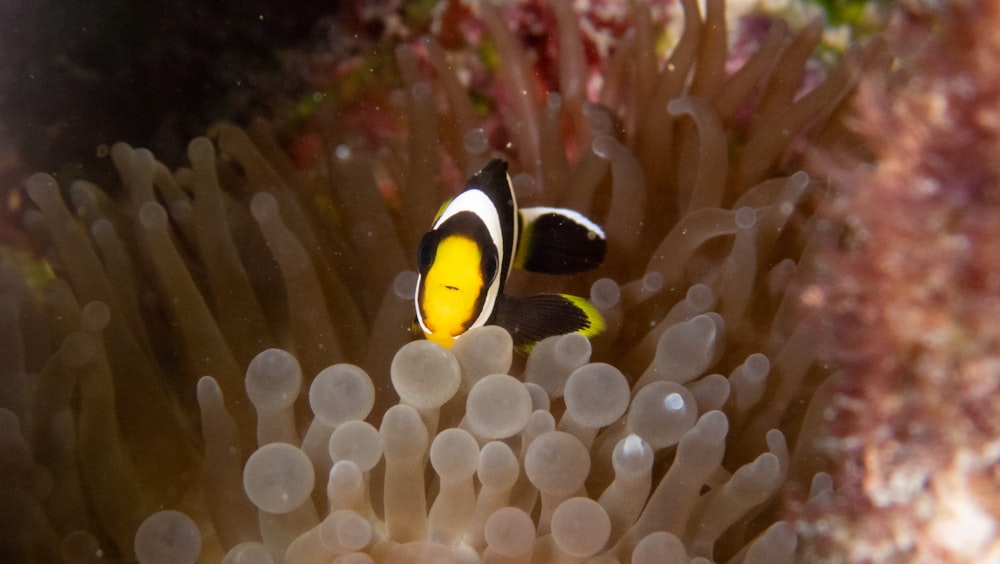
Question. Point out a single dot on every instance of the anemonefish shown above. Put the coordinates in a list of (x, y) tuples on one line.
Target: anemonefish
[(474, 241)]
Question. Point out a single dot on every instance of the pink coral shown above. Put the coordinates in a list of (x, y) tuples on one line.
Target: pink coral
[(915, 300)]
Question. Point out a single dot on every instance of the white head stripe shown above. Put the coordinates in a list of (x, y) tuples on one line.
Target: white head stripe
[(479, 203)]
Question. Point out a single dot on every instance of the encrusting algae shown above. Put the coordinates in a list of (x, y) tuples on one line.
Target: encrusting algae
[(223, 368), (914, 303)]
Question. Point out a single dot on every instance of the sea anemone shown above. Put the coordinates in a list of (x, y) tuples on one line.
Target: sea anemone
[(126, 425)]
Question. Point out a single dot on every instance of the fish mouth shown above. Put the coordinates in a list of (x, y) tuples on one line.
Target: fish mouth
[(452, 288)]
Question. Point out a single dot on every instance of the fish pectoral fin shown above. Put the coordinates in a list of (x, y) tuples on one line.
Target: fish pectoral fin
[(531, 319), (558, 241)]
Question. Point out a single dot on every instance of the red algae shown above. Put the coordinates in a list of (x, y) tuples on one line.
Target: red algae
[(913, 294)]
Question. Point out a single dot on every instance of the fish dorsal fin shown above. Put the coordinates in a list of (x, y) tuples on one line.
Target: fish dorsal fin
[(531, 319), (441, 209), (558, 241)]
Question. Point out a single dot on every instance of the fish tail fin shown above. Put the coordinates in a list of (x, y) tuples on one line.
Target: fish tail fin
[(531, 319)]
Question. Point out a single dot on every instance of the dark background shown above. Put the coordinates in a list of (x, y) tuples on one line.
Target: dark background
[(76, 75)]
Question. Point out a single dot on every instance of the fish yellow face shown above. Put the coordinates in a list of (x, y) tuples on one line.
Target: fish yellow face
[(462, 262), (458, 282), (452, 289)]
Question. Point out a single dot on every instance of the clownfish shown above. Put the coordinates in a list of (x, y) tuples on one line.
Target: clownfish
[(474, 241)]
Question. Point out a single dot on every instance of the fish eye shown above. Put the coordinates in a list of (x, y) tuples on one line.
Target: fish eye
[(426, 251), (489, 266)]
